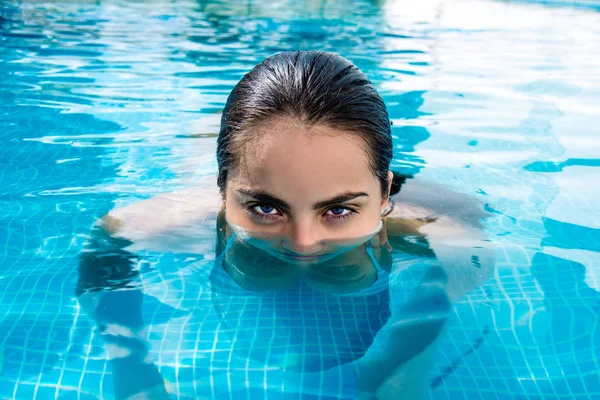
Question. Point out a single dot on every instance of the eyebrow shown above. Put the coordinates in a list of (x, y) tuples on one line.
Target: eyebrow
[(267, 198)]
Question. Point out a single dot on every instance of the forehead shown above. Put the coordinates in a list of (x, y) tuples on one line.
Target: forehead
[(290, 160)]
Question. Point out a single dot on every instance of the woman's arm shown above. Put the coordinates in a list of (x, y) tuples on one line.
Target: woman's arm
[(451, 231), (108, 287), (108, 290)]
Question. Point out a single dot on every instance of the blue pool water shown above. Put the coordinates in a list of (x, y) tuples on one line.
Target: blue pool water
[(105, 103)]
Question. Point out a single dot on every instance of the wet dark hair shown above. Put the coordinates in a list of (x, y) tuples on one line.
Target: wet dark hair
[(313, 87)]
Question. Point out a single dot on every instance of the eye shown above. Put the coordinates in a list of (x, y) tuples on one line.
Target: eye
[(339, 213), (265, 209)]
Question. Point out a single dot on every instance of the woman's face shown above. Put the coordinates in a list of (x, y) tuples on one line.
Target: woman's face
[(303, 195)]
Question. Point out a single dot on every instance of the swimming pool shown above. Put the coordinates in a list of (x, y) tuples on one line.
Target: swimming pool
[(108, 102)]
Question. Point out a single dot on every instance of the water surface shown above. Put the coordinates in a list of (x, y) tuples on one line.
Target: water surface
[(105, 103)]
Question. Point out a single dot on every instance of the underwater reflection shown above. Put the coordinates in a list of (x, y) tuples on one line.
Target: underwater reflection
[(326, 322), (334, 320), (297, 316)]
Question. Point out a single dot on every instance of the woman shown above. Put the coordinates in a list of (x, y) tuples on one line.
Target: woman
[(304, 194)]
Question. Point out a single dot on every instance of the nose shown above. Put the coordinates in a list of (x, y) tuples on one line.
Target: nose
[(302, 239)]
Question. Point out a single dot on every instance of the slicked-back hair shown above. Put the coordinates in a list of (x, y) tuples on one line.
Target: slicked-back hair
[(313, 88)]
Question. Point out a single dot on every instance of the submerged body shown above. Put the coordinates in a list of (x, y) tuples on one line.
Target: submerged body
[(187, 220), (306, 202)]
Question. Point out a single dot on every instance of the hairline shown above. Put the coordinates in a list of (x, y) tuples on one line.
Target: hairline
[(244, 136)]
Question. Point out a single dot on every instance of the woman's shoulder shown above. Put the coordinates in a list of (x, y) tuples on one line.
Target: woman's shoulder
[(173, 217), (422, 199)]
